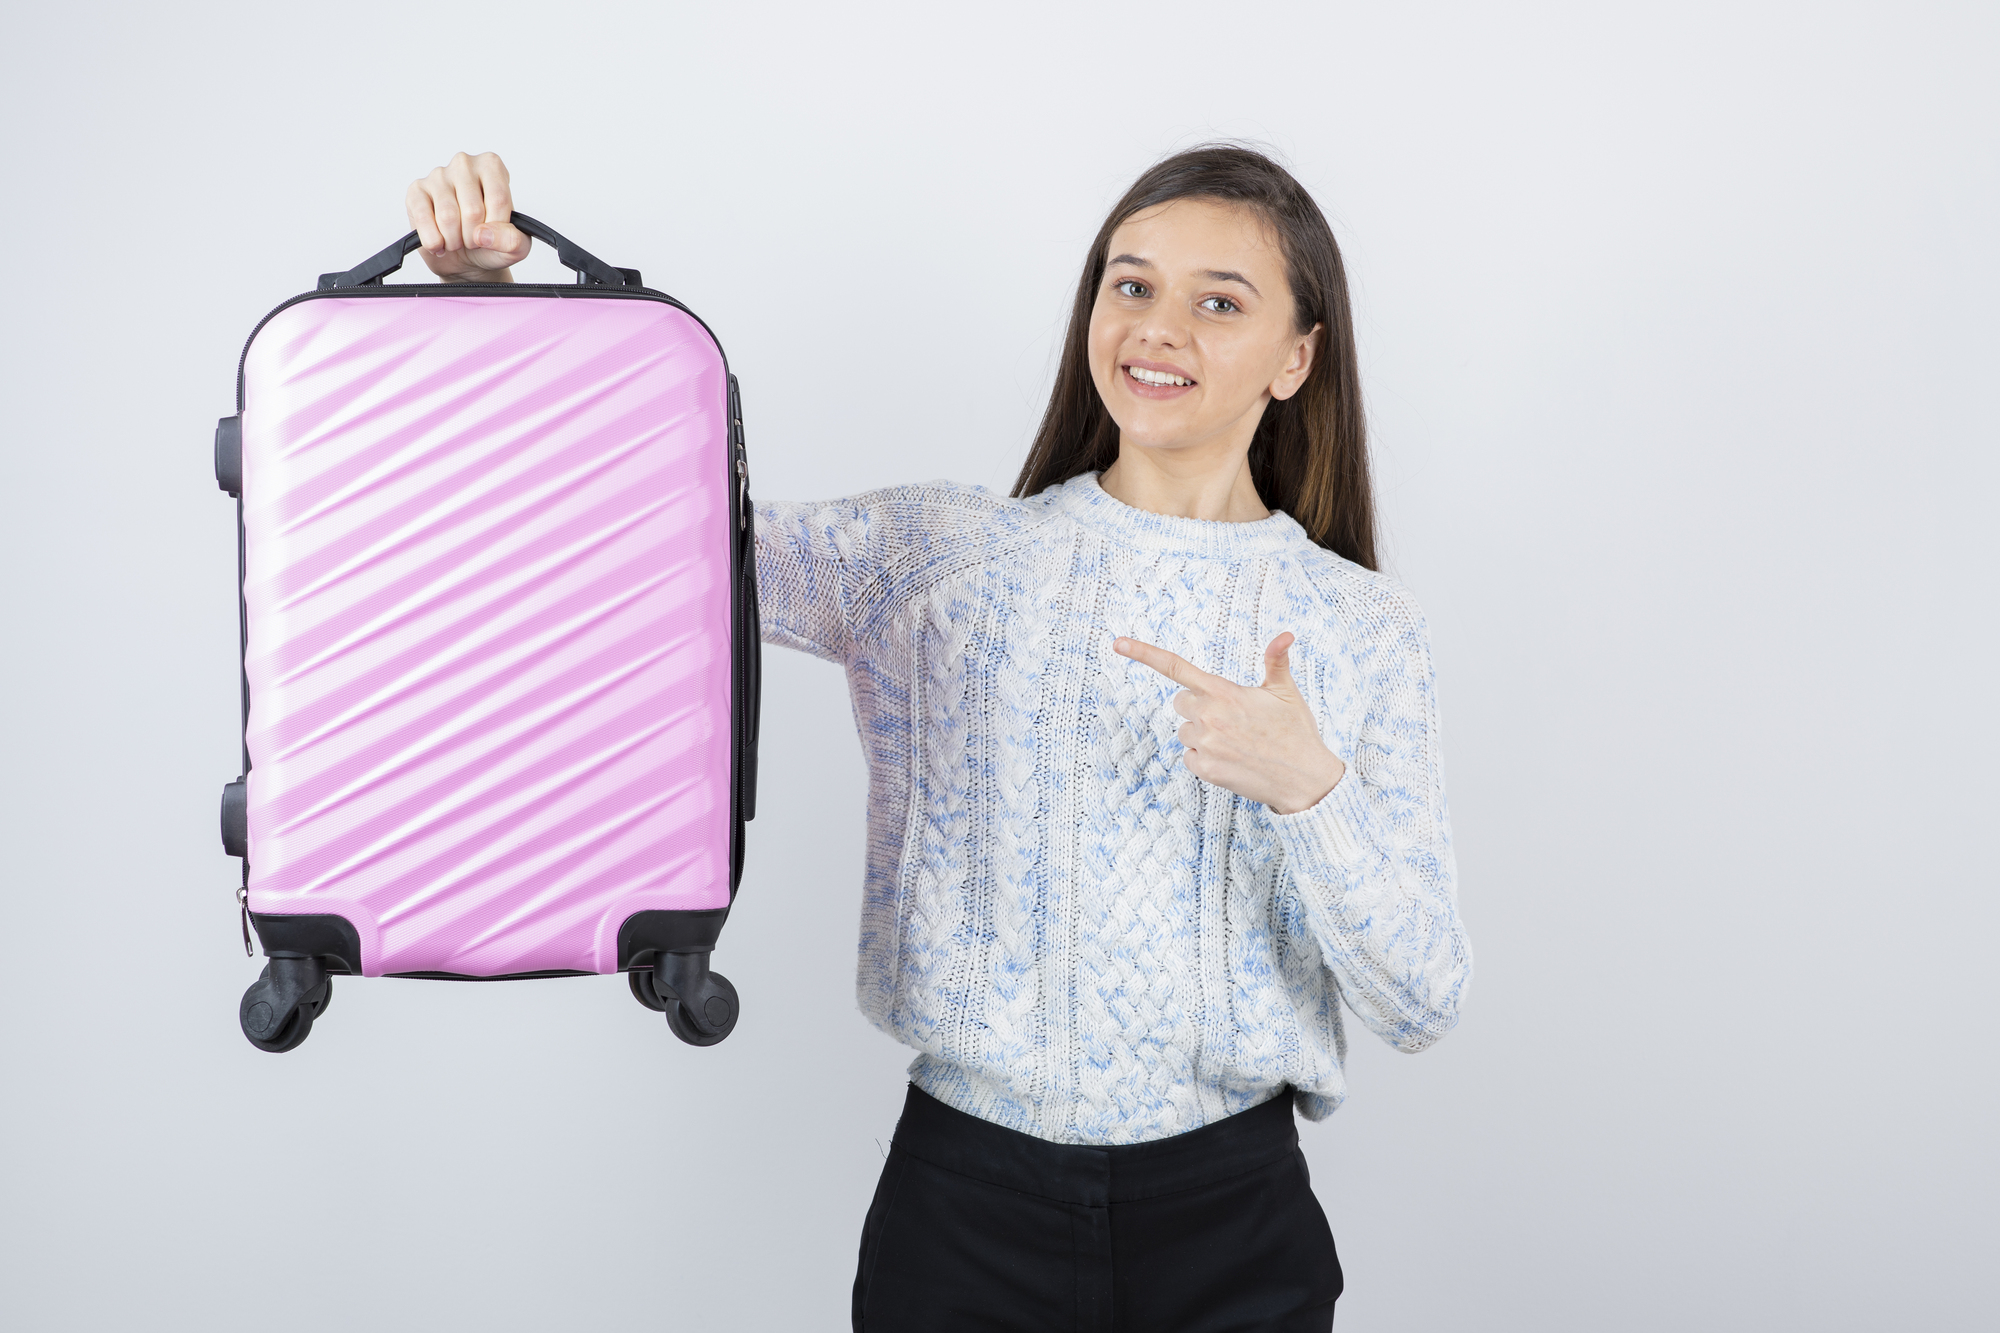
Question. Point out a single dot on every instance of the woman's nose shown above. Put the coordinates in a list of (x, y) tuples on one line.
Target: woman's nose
[(1165, 325)]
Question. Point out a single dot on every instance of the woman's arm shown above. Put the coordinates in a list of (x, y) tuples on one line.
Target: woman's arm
[(1367, 843), (809, 561), (1372, 861)]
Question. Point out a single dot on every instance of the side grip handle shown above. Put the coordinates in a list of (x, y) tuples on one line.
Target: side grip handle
[(235, 819), (229, 455)]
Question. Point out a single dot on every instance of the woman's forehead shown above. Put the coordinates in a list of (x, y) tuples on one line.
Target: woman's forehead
[(1197, 234)]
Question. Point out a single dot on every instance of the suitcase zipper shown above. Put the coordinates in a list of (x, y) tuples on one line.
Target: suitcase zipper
[(736, 443), (746, 622)]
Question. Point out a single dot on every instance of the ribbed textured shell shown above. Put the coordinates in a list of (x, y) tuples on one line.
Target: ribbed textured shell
[(487, 585)]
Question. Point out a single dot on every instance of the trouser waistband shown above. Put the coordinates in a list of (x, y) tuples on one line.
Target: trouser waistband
[(1075, 1173)]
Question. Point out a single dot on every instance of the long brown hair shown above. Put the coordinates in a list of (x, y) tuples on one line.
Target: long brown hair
[(1310, 454)]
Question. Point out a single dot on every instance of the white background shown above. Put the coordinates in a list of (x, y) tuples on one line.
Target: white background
[(1680, 342)]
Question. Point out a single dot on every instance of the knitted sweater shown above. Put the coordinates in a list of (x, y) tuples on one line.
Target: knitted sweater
[(1080, 938)]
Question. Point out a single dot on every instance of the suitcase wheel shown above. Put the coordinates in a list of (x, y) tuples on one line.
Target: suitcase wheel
[(278, 1011), (690, 978), (721, 1009)]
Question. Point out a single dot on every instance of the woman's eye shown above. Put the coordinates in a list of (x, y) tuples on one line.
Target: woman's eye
[(1133, 288), (1221, 305)]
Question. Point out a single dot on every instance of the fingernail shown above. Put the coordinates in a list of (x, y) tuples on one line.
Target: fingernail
[(483, 238)]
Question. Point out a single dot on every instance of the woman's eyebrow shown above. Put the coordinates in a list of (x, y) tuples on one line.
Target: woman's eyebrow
[(1230, 275), (1133, 260)]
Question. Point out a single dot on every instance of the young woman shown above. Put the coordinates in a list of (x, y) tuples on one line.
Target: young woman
[(1154, 782)]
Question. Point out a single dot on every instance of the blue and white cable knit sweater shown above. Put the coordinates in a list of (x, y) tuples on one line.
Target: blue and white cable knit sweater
[(1081, 939)]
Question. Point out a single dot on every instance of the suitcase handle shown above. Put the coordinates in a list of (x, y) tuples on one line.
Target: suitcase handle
[(589, 269)]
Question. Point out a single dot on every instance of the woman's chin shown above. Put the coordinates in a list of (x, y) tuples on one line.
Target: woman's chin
[(1157, 438)]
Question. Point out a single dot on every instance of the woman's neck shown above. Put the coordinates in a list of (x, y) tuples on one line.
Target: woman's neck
[(1160, 482)]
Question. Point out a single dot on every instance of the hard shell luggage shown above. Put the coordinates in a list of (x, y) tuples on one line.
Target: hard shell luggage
[(500, 662)]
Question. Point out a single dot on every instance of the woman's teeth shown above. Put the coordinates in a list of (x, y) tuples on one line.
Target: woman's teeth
[(1155, 376)]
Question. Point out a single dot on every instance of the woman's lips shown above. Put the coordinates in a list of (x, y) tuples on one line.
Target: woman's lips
[(1144, 389)]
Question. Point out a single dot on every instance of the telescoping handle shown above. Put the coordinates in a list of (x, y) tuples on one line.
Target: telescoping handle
[(589, 269)]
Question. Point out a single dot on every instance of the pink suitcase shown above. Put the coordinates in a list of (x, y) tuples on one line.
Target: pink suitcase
[(499, 639)]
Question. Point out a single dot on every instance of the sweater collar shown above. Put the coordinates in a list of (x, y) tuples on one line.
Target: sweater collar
[(1092, 507)]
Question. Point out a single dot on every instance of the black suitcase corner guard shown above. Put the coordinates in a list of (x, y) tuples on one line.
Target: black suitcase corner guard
[(324, 935), (646, 934)]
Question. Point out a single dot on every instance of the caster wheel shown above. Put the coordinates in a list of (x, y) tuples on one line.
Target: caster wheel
[(270, 1031), (643, 991), (274, 1016), (722, 997)]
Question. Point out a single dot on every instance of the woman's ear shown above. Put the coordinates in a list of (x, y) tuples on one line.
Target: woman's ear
[(1298, 365)]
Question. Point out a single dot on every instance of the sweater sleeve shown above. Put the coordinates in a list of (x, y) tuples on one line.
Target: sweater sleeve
[(1372, 862), (828, 573), (810, 560)]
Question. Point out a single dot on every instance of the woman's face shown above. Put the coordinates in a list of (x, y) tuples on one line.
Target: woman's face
[(1193, 332)]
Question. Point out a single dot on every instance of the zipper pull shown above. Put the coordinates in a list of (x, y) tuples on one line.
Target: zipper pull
[(243, 905)]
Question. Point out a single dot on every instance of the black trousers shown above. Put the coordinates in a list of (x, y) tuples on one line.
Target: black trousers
[(977, 1227)]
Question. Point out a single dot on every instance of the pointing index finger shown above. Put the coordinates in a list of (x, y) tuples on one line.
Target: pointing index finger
[(1171, 665)]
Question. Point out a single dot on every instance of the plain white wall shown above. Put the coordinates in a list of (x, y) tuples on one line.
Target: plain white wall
[(1680, 335)]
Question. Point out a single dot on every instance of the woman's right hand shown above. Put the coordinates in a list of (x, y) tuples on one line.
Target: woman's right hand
[(461, 212)]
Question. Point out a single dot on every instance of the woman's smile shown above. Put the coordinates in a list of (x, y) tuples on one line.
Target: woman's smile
[(1156, 379)]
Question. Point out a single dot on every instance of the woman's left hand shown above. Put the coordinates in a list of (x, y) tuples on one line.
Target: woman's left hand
[(1259, 741)]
